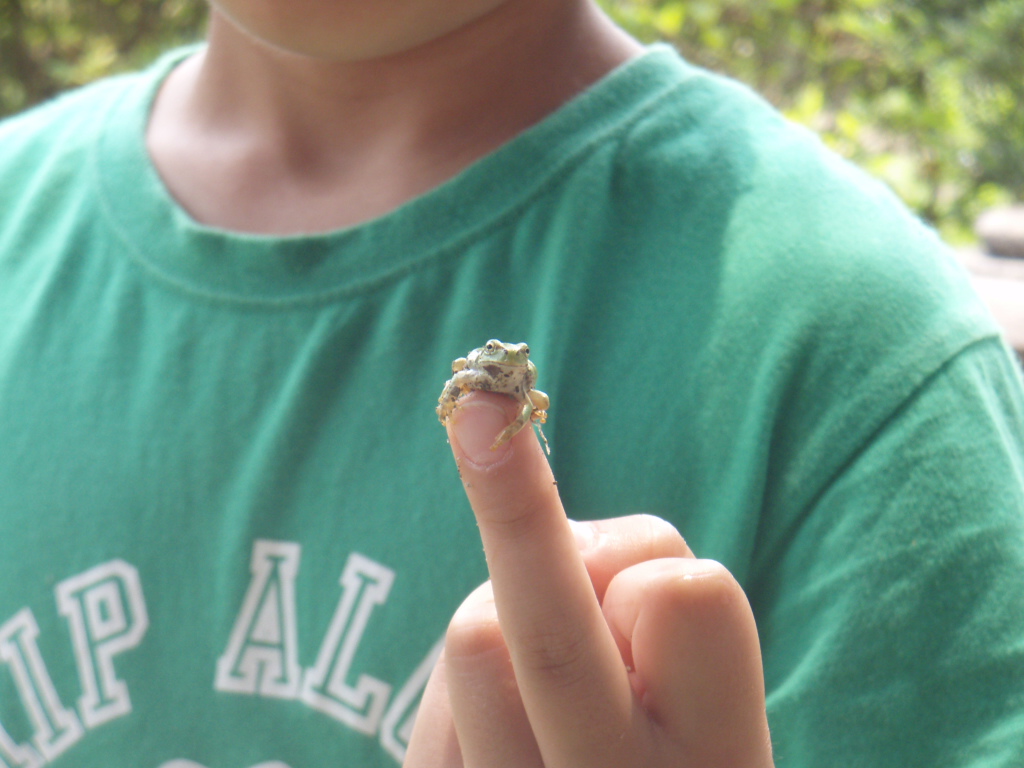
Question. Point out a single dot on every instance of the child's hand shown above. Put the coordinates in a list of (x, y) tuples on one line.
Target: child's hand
[(614, 647)]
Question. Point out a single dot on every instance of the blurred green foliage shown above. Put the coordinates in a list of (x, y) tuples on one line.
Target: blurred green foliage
[(926, 94), (47, 46)]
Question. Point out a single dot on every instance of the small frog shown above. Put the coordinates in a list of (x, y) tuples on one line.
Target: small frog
[(502, 368)]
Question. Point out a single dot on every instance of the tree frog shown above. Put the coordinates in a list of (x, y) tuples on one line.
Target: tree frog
[(502, 368)]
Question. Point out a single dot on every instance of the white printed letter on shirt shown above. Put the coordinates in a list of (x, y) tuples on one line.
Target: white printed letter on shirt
[(56, 728), (365, 584), (107, 615), (396, 727), (262, 656)]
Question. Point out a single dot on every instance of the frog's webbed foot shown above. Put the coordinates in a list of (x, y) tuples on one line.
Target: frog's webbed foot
[(541, 403)]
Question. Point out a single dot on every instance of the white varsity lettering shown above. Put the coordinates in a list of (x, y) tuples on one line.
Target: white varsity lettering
[(17, 755), (262, 652), (396, 727), (55, 728), (365, 584), (107, 615)]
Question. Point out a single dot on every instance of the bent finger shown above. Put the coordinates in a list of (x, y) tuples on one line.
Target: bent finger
[(687, 629), (612, 545), (489, 717)]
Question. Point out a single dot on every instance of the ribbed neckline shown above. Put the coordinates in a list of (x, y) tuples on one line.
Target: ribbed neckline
[(231, 266)]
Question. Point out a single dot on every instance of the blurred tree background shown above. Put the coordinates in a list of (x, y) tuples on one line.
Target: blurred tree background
[(926, 94), (48, 46)]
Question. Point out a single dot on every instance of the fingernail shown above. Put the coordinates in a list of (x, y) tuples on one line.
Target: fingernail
[(475, 424)]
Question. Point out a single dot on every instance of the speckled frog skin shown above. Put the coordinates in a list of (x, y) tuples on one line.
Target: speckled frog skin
[(502, 368)]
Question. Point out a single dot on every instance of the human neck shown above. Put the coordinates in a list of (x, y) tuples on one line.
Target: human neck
[(251, 138)]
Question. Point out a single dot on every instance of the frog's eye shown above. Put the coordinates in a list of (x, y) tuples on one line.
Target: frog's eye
[(526, 350), (490, 346)]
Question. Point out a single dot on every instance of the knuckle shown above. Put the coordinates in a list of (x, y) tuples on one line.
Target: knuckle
[(713, 593), (473, 630), (514, 516), (657, 526), (477, 662), (663, 538), (557, 656)]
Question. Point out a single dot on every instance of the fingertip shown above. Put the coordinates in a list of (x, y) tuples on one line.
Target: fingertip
[(503, 482), (472, 428), (715, 602)]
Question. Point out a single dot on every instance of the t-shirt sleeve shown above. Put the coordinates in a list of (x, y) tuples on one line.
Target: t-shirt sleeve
[(892, 619)]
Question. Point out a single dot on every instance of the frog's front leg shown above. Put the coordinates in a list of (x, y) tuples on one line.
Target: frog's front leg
[(459, 384), (521, 421)]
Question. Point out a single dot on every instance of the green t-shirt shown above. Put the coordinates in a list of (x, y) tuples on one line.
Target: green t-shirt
[(231, 531)]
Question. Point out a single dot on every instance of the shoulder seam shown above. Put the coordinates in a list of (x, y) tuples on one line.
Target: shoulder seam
[(926, 379)]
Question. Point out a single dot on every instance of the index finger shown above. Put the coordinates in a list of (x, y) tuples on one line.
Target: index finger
[(568, 668)]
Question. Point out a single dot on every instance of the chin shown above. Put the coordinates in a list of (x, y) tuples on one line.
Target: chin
[(350, 30)]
